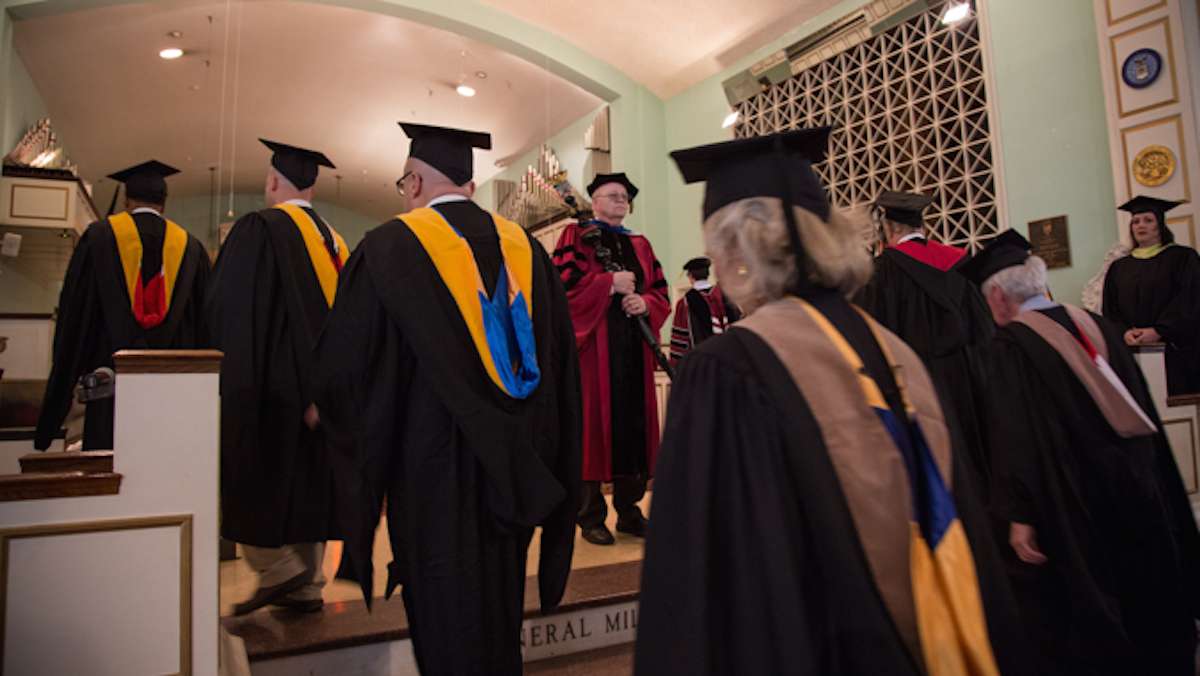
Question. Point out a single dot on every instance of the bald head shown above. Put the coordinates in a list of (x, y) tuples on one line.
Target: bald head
[(279, 189), (427, 183)]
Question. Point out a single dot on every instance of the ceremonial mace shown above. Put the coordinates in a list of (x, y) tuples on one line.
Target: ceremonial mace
[(604, 257)]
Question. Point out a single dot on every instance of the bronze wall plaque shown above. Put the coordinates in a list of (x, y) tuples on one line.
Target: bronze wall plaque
[(1051, 241)]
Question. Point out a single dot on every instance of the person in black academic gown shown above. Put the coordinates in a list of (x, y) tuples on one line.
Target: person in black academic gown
[(915, 293), (135, 281), (272, 287), (1153, 294), (810, 515), (702, 313), (449, 386), (1103, 543)]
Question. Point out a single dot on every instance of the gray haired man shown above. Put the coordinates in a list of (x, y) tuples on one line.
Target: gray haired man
[(1102, 536)]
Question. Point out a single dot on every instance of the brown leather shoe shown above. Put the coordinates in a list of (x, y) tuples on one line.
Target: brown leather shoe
[(599, 535), (268, 595)]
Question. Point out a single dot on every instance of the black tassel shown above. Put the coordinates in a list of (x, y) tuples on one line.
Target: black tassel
[(113, 205)]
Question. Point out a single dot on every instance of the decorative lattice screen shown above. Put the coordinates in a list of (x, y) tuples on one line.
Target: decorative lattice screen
[(909, 109)]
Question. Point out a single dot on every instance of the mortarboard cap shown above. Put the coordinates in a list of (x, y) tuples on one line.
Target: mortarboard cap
[(1007, 249), (605, 179), (697, 264), (779, 165), (145, 182), (904, 207), (1141, 204), (447, 150), (298, 165)]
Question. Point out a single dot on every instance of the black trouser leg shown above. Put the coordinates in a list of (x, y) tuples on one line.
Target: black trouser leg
[(98, 425), (593, 510), (628, 491)]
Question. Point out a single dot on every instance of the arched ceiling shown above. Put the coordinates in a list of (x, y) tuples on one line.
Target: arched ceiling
[(332, 78), (667, 46)]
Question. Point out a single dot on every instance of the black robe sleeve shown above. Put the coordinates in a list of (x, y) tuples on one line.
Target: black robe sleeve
[(359, 411), (1111, 305), (716, 593), (1179, 320), (558, 530), (78, 332), (1011, 444)]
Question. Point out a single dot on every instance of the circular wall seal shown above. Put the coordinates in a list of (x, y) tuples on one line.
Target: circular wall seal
[(1141, 68), (1154, 166)]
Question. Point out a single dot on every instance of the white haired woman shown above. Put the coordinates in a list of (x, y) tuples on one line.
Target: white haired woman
[(809, 511), (1103, 545)]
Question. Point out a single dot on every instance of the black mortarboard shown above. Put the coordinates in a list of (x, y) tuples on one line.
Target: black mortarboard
[(1007, 249), (697, 264), (904, 207), (605, 179), (1141, 204), (298, 165), (779, 165), (447, 150), (145, 182)]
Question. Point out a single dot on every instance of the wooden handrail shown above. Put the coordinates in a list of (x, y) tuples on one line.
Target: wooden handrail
[(45, 485), (168, 361), (88, 462)]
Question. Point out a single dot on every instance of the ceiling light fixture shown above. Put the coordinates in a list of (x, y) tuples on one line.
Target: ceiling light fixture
[(171, 53), (465, 90), (956, 12), (731, 119), (175, 34), (481, 74)]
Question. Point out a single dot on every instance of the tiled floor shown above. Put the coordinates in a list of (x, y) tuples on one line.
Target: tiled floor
[(238, 582)]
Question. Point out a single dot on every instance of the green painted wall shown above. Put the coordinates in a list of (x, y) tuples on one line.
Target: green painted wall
[(1053, 128), (192, 212), (21, 105), (1053, 138)]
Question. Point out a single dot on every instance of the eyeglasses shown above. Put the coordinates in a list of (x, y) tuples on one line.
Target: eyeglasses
[(400, 183), (615, 197)]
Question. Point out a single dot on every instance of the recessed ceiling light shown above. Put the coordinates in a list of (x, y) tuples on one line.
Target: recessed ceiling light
[(175, 34), (195, 88), (481, 74), (171, 53), (465, 90), (956, 12)]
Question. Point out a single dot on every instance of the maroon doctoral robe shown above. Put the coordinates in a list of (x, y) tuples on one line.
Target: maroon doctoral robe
[(588, 294)]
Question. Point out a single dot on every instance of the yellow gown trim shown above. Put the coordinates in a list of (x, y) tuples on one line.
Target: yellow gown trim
[(455, 264), (129, 247), (318, 253), (945, 586)]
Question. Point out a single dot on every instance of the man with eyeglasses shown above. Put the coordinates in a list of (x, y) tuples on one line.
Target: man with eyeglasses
[(448, 386), (620, 421)]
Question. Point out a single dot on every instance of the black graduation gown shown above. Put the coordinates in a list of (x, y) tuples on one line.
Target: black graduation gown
[(1163, 293), (266, 310), (1112, 516), (95, 319), (753, 565), (467, 472), (946, 321)]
